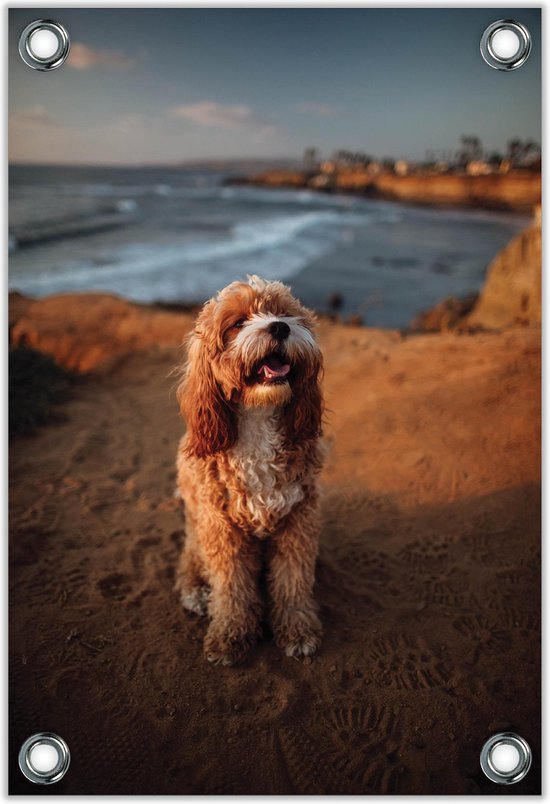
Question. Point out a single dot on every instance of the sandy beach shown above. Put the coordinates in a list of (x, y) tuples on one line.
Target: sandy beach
[(428, 575)]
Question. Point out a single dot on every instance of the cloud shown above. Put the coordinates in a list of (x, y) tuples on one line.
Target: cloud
[(83, 57), (319, 109), (34, 117), (133, 138), (128, 123), (34, 136), (222, 116)]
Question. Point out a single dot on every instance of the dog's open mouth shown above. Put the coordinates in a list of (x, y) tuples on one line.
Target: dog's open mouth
[(271, 369)]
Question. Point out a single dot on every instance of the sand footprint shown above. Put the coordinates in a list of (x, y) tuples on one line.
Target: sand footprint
[(527, 624), (485, 636), (141, 550), (363, 743), (306, 766), (114, 586), (27, 544), (371, 565), (88, 444), (420, 554), (405, 663), (514, 577), (446, 589)]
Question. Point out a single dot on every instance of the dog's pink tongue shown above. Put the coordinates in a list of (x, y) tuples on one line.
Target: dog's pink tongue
[(274, 367)]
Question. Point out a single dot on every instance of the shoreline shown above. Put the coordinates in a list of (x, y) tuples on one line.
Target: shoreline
[(352, 269), (519, 260), (518, 191)]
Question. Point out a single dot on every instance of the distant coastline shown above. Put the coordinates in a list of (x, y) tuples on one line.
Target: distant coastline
[(517, 191), (178, 236)]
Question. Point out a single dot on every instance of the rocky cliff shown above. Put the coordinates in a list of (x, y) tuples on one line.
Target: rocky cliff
[(87, 331), (512, 292), (519, 190)]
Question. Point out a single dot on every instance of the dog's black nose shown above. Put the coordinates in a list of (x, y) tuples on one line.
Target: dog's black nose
[(279, 330)]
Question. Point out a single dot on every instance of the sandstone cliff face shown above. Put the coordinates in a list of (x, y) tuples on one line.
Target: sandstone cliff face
[(512, 292), (508, 191), (511, 295), (276, 178), (447, 315), (87, 331), (518, 190)]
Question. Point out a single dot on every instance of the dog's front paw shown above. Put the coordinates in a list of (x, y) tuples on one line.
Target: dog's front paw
[(306, 646), (301, 635), (226, 649), (195, 600)]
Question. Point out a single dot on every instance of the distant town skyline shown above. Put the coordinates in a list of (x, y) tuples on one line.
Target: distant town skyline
[(173, 85)]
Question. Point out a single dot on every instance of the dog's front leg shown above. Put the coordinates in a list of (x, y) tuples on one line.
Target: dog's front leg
[(233, 569), (293, 552)]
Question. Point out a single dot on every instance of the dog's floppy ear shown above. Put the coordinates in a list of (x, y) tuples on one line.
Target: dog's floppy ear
[(304, 414), (211, 422)]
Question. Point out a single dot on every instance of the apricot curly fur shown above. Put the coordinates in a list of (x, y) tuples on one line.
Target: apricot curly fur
[(247, 469)]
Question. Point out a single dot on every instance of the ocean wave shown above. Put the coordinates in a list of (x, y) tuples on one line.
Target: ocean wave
[(136, 190), (126, 205), (214, 190), (278, 248), (76, 226), (292, 197)]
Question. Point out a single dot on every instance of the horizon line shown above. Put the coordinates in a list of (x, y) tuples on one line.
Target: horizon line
[(189, 162)]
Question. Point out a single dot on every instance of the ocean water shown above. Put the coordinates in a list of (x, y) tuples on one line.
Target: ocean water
[(179, 236)]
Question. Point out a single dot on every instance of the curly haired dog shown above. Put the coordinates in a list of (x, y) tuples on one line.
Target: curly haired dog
[(247, 469)]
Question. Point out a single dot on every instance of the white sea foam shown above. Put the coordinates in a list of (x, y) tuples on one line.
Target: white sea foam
[(181, 237), (126, 205), (278, 247), (205, 190), (310, 198)]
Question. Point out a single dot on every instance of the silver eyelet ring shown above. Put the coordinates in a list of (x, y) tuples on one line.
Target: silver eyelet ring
[(518, 58), (490, 767), (55, 59), (53, 774)]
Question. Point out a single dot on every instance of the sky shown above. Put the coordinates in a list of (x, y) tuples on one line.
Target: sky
[(171, 85)]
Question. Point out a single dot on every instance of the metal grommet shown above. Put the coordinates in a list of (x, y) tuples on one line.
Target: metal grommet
[(502, 58), (39, 767), (40, 58), (505, 758)]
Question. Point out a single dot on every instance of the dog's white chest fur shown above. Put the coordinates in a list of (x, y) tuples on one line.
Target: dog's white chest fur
[(260, 463)]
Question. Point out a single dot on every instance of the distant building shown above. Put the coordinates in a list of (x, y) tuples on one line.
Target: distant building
[(320, 182), (373, 168), (476, 167), (328, 167), (401, 167)]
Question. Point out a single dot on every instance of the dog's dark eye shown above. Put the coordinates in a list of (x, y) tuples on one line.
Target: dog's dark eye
[(240, 323)]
